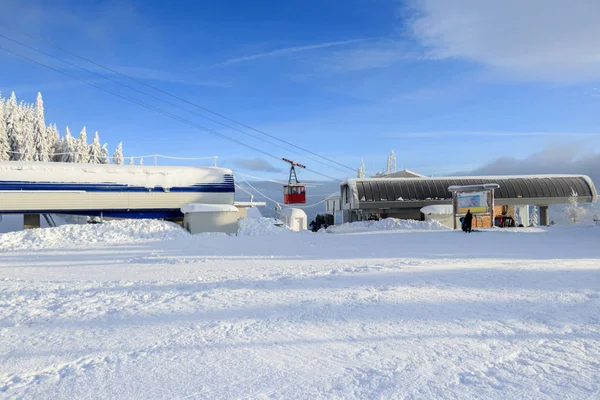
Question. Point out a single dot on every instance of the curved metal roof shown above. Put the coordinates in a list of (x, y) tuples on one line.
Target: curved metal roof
[(541, 189)]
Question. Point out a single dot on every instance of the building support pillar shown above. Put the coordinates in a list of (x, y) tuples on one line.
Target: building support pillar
[(31, 221), (544, 216), (524, 215)]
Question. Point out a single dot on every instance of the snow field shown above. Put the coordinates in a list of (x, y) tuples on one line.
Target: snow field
[(260, 226), (426, 314), (387, 224)]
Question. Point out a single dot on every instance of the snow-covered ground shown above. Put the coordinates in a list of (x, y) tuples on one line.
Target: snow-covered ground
[(410, 314)]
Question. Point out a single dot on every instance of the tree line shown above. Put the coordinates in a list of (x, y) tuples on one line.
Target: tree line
[(24, 136)]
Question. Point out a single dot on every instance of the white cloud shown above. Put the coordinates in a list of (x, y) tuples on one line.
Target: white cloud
[(539, 39), (564, 159), (287, 51), (369, 55)]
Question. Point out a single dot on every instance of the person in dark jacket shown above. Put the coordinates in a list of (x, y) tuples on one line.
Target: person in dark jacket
[(468, 221)]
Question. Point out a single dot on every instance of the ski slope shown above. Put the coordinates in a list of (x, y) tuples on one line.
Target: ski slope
[(383, 314)]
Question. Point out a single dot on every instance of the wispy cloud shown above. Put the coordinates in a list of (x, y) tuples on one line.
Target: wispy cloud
[(157, 75), (255, 164), (288, 50), (370, 54)]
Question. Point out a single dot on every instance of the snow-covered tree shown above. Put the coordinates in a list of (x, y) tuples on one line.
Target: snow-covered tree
[(104, 159), (24, 136), (517, 217), (95, 150), (574, 211), (82, 155), (118, 155), (41, 141), (13, 127), (533, 218), (68, 148), (28, 148), (131, 161), (4, 141), (54, 143)]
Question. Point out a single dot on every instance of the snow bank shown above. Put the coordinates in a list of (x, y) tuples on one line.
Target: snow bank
[(253, 212), (259, 226), (111, 232), (388, 224)]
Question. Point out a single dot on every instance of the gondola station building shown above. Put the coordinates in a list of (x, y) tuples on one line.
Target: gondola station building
[(405, 195)]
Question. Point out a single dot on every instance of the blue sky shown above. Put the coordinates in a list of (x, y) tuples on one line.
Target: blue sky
[(449, 87)]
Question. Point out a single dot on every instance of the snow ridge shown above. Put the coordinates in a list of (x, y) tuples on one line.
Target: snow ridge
[(110, 232)]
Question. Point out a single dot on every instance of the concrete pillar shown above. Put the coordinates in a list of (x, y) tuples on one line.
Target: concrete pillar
[(524, 215), (31, 221), (544, 216)]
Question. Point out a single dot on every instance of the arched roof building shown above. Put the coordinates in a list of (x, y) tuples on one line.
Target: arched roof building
[(404, 197)]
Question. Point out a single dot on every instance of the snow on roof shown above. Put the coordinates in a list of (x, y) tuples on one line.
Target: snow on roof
[(134, 175), (472, 188), (405, 173), (198, 208), (483, 177), (293, 213), (249, 204), (440, 209)]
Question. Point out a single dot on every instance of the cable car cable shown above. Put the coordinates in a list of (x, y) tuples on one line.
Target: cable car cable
[(159, 99), (153, 108), (174, 96)]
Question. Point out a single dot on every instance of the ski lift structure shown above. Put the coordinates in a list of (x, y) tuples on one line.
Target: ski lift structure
[(294, 192)]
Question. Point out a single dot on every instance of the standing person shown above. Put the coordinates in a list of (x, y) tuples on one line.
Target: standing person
[(468, 221)]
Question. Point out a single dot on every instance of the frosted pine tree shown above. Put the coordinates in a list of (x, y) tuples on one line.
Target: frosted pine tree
[(28, 117), (131, 161), (95, 150), (533, 219), (13, 127), (574, 211), (54, 143), (82, 155), (118, 155), (517, 217), (104, 159), (4, 141), (41, 142), (68, 148)]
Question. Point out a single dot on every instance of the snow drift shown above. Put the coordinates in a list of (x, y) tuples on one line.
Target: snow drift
[(260, 226), (387, 224), (122, 231)]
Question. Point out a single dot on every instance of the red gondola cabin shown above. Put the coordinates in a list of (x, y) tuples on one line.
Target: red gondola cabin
[(294, 192)]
